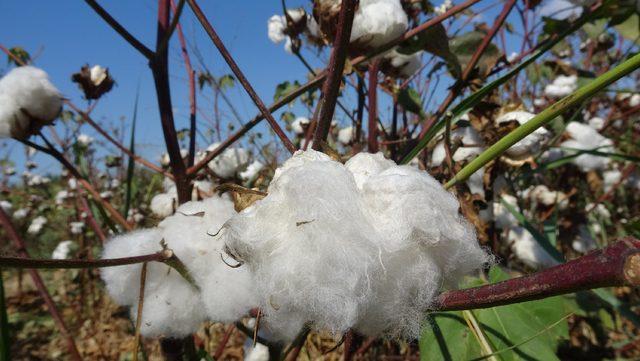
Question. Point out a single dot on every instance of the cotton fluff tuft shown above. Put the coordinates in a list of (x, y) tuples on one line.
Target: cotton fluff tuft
[(377, 22), (345, 135), (585, 137), (27, 89), (365, 245), (62, 250), (172, 306), (532, 142)]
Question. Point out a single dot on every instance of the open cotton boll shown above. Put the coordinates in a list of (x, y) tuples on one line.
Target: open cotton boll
[(76, 227), (502, 216), (471, 145), (561, 86), (6, 206), (21, 213), (163, 204), (172, 307), (584, 137), (276, 27), (532, 142), (84, 140), (425, 243), (599, 210), (304, 272), (541, 194), (405, 64), (596, 123), (259, 352), (252, 170), (229, 162), (345, 135), (36, 225), (377, 22), (299, 125), (370, 251), (476, 182), (610, 178), (227, 293), (528, 250), (28, 101), (62, 250)]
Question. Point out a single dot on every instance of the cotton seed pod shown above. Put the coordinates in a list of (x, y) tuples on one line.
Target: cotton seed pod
[(94, 81)]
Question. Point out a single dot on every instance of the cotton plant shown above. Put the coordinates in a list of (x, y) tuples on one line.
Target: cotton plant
[(395, 238), (165, 160), (174, 307), (280, 30), (28, 102)]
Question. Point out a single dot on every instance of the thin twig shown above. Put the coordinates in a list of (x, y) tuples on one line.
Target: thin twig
[(175, 20), (143, 278), (240, 75), (120, 29), (34, 263), (372, 137), (331, 87), (10, 230)]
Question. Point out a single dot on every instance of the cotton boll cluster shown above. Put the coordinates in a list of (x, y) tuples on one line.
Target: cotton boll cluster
[(28, 101), (561, 86), (531, 143), (596, 123), (163, 204), (583, 137), (173, 307), (36, 225), (471, 144), (62, 196), (377, 22), (62, 250), (364, 245)]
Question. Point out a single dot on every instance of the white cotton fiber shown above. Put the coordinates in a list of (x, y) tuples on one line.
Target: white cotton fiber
[(173, 307), (163, 204), (377, 22), (276, 27), (27, 89), (471, 145), (586, 138), (62, 250), (299, 125), (345, 135), (252, 170), (502, 216), (532, 142), (365, 245)]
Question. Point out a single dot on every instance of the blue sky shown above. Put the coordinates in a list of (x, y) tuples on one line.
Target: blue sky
[(64, 35)]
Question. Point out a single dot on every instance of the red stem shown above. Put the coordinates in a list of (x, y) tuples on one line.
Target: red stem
[(614, 266), (37, 280), (331, 87), (240, 75), (372, 138)]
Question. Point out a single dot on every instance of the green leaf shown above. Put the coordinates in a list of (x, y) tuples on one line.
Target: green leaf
[(447, 337), (19, 53), (630, 28), (226, 81), (465, 45), (285, 88), (410, 100), (435, 41), (131, 165)]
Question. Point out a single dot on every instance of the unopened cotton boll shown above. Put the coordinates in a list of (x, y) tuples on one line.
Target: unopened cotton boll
[(28, 101), (583, 137), (62, 250), (562, 86), (532, 142), (528, 250), (377, 22), (172, 307), (361, 255)]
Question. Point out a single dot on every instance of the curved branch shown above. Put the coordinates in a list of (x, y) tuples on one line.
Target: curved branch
[(614, 266)]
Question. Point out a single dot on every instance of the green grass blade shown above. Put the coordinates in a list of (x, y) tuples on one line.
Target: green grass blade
[(476, 97), (4, 325), (131, 165), (545, 117)]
